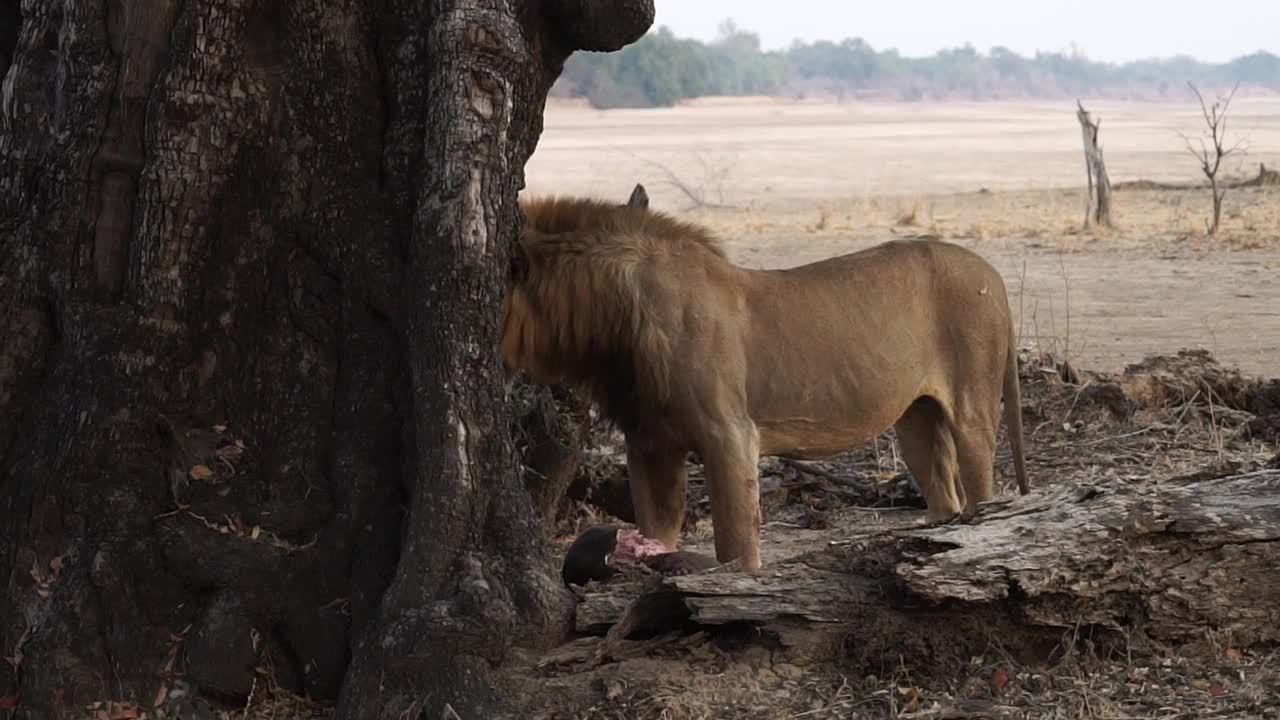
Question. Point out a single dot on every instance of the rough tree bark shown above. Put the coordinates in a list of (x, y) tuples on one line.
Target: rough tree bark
[(9, 22), (1178, 563), (1098, 202), (251, 256)]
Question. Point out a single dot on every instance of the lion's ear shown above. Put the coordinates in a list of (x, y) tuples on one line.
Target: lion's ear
[(639, 198)]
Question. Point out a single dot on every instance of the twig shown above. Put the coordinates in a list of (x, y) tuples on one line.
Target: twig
[(819, 472), (697, 196), (781, 524), (248, 701), (1111, 438), (1022, 292), (1075, 400), (1066, 289), (1043, 454), (1185, 407), (1213, 422)]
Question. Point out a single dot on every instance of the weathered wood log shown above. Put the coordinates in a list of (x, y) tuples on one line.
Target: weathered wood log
[(1098, 207), (1170, 563)]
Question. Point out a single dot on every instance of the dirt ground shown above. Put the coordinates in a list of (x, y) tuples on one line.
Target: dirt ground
[(784, 184)]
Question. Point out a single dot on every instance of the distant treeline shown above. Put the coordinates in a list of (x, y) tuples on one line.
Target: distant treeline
[(661, 69)]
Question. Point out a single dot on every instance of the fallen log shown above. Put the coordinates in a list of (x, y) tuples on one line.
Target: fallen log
[(1171, 563)]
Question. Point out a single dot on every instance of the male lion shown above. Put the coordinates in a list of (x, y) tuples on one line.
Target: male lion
[(686, 352)]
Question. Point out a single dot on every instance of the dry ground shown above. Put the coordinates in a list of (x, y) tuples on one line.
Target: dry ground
[(801, 182)]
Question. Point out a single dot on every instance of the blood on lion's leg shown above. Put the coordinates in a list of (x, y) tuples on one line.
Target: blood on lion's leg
[(731, 459), (658, 485)]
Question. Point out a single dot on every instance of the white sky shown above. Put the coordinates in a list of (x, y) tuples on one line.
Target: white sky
[(1111, 30)]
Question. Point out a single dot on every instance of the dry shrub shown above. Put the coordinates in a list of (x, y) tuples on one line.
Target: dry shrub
[(1157, 383), (824, 217), (979, 232), (1168, 380), (919, 214)]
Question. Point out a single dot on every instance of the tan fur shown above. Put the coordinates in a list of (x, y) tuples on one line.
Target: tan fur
[(582, 259), (687, 352)]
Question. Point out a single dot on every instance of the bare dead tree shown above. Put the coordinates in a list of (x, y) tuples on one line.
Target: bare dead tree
[(1098, 202), (1210, 154)]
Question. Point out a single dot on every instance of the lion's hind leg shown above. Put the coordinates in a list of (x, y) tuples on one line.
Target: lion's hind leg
[(925, 437), (658, 483), (975, 453)]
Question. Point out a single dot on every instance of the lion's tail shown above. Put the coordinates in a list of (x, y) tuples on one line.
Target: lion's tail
[(1013, 413)]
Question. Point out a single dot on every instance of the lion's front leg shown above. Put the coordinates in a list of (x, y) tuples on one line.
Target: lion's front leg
[(731, 459), (658, 482)]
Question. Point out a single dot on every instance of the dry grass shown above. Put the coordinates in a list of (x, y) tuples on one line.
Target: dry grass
[(276, 703), (910, 217)]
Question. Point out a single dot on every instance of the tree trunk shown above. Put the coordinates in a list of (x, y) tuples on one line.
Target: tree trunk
[(1172, 563), (1217, 203), (1098, 204), (552, 427), (229, 433), (9, 22)]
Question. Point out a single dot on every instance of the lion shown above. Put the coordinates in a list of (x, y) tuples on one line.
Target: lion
[(686, 352)]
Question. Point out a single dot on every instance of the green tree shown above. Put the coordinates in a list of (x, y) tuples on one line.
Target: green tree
[(663, 69)]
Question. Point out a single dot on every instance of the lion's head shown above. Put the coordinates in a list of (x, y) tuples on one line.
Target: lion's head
[(576, 311)]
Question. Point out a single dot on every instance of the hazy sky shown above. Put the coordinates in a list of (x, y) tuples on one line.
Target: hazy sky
[(1113, 30)]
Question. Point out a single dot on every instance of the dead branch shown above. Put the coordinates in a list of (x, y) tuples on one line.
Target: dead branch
[(808, 469), (1098, 202), (696, 194)]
